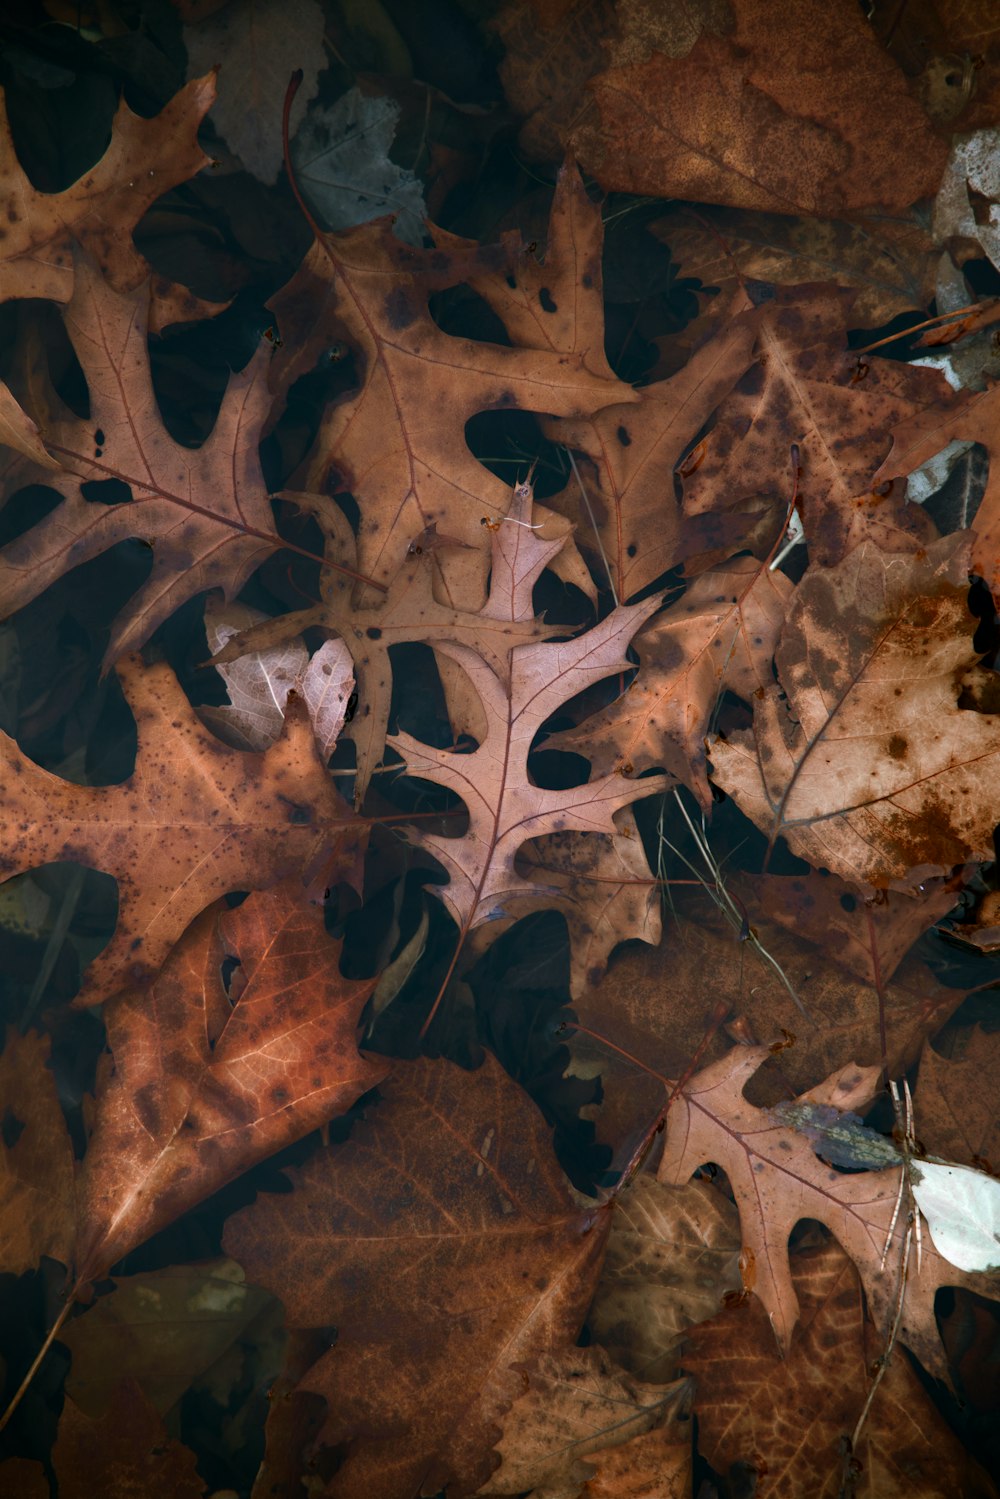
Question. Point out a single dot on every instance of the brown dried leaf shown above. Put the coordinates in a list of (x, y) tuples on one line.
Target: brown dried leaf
[(972, 418), (777, 1180), (193, 821), (126, 1453), (705, 106), (956, 1101), (862, 758), (672, 1256), (443, 1243), (204, 1079), (205, 511), (806, 389), (655, 1466), (788, 1417), (162, 1329), (19, 432), (577, 1402), (36, 1160), (144, 159), (721, 635)]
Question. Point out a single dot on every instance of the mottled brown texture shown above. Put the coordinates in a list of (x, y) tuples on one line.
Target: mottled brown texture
[(194, 820), (730, 104), (443, 1243), (36, 1160), (126, 1454), (787, 1417), (201, 1083), (719, 636), (805, 388), (956, 1101), (145, 158), (204, 511), (862, 758), (970, 417)]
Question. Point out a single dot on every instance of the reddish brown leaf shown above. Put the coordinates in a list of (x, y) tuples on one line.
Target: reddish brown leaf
[(193, 821), (778, 1180), (788, 1417), (203, 1081), (705, 105), (971, 418), (205, 511), (442, 1242), (36, 1160), (126, 1454), (862, 759), (720, 635), (806, 389), (393, 443), (144, 159)]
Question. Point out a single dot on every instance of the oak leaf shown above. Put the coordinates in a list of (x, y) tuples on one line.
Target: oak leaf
[(204, 1078), (193, 821), (393, 443), (623, 488), (862, 758), (443, 1243), (408, 611), (205, 511), (144, 159), (778, 1180), (788, 1418), (506, 807), (720, 635)]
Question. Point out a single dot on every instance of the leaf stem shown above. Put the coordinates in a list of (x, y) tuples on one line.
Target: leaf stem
[(51, 1336)]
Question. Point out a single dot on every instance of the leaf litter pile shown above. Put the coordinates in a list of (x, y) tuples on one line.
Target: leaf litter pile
[(500, 750)]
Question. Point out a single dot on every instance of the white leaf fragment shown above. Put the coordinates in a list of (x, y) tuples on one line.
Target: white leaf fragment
[(962, 1208)]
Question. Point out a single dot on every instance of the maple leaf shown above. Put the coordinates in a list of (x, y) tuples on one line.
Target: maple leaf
[(777, 1180), (204, 1078), (720, 635), (506, 809), (393, 443), (443, 1243), (971, 417), (787, 1417), (805, 389), (862, 759), (205, 511), (193, 821), (99, 211)]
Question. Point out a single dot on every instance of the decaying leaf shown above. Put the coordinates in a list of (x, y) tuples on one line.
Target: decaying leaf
[(143, 160), (863, 759), (777, 1180), (176, 842), (443, 1243), (204, 511), (36, 1160), (126, 1451), (786, 1417), (205, 1077)]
